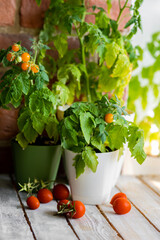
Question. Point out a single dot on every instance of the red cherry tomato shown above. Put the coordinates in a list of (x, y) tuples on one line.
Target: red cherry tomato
[(63, 204), (25, 57), (121, 206), (44, 195), (33, 202), (60, 191), (118, 195), (79, 209)]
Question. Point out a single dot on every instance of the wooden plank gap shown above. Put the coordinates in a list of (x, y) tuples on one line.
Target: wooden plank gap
[(71, 227), (118, 234), (25, 214), (145, 183), (140, 211)]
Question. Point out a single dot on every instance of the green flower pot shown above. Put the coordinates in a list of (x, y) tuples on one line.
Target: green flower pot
[(40, 162)]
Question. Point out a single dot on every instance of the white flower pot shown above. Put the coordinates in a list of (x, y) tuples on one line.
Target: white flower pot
[(92, 188)]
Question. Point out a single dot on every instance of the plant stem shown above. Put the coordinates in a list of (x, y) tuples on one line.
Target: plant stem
[(35, 55), (121, 10), (84, 57)]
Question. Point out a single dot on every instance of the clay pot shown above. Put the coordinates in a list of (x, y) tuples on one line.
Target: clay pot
[(8, 123)]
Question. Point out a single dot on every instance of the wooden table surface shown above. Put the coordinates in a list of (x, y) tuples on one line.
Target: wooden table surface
[(17, 222)]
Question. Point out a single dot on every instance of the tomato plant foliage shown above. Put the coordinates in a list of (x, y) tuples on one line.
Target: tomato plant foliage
[(28, 91), (85, 132), (116, 57)]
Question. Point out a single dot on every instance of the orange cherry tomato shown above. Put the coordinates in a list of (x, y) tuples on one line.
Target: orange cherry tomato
[(121, 206), (33, 202), (35, 68), (25, 57), (25, 66), (10, 57), (108, 118), (44, 195), (60, 191), (79, 209), (118, 195), (15, 47)]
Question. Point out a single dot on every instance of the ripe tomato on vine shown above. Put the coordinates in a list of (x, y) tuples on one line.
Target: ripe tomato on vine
[(15, 47), (108, 118), (25, 57), (25, 66), (10, 57)]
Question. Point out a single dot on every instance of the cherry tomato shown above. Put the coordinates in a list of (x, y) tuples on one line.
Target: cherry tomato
[(79, 209), (108, 118), (35, 68), (63, 205), (10, 57), (33, 202), (15, 47), (25, 66), (44, 195), (25, 57), (118, 195), (121, 206), (60, 191)]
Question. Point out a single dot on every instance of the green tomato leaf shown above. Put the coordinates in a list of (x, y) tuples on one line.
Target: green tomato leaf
[(21, 140), (122, 67), (90, 158), (79, 165), (61, 44), (38, 122), (29, 133), (52, 128), (111, 54), (87, 125), (16, 89), (97, 143)]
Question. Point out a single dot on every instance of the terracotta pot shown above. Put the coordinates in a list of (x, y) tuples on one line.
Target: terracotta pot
[(8, 123)]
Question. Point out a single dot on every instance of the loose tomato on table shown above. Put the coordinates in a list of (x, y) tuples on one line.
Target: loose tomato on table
[(44, 195), (33, 202), (60, 191), (79, 209), (118, 195), (73, 209), (108, 118), (121, 206), (25, 57)]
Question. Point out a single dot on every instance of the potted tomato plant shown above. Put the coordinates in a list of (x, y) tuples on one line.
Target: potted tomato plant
[(24, 86), (93, 136)]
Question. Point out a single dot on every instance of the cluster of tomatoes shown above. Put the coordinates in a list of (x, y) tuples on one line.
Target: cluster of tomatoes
[(73, 209), (120, 203), (24, 57)]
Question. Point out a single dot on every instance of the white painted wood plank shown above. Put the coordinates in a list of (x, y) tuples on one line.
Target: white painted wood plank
[(153, 182), (13, 224), (46, 224), (131, 226), (142, 197), (93, 225)]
